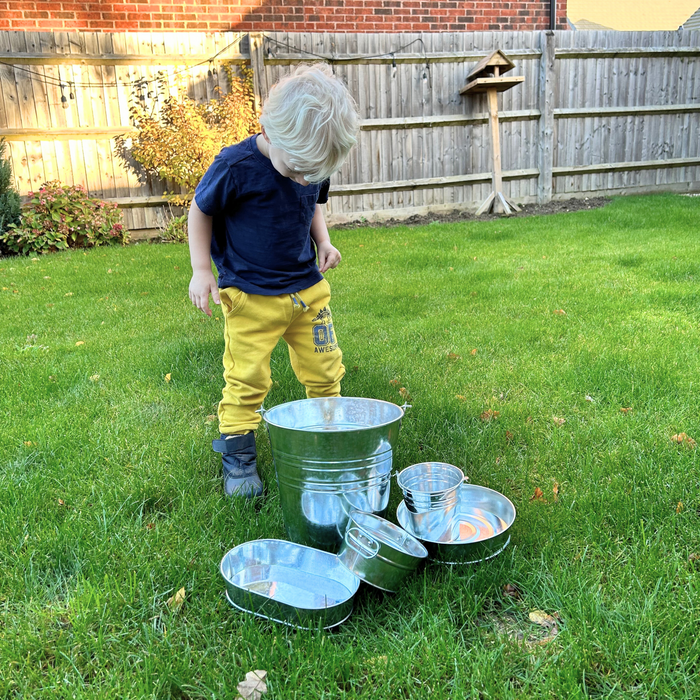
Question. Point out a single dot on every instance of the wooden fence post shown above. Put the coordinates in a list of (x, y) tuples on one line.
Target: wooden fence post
[(546, 99), (257, 63)]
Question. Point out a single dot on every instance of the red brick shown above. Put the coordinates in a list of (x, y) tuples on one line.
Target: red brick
[(24, 24), (36, 15)]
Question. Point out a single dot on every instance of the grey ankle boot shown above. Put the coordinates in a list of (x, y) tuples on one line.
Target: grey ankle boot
[(239, 455)]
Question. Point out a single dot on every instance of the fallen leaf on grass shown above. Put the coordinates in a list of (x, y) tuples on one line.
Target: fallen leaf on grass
[(474, 351), (509, 436), (176, 601), (537, 495), (693, 558), (489, 414), (29, 443), (541, 618), (168, 377), (80, 342), (70, 294), (460, 397), (625, 410), (559, 421), (253, 687), (210, 418), (394, 382), (528, 419), (150, 526), (683, 439), (560, 312), (679, 507), (404, 393), (511, 591), (61, 502), (453, 356), (555, 491), (94, 377)]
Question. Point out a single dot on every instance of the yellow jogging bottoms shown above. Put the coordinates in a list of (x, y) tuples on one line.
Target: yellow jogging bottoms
[(253, 326)]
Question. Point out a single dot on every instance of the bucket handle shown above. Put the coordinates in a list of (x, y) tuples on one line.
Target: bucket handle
[(366, 551)]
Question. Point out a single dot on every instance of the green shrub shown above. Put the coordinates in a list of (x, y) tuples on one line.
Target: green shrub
[(175, 231), (9, 199), (61, 216)]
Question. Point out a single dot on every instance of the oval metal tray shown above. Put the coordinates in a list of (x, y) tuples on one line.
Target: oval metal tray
[(477, 529), (289, 583)]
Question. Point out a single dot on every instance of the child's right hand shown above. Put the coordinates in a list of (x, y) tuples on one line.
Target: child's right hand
[(202, 284)]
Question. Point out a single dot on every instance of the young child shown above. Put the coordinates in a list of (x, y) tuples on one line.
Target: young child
[(257, 213)]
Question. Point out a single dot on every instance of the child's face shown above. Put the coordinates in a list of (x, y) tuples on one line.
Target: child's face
[(280, 162)]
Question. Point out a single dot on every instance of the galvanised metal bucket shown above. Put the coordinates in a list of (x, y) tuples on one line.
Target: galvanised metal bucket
[(331, 456), (379, 552)]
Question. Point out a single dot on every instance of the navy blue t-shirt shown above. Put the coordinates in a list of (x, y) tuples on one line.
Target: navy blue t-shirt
[(261, 235)]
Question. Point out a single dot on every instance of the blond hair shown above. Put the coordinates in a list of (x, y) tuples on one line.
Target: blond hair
[(313, 118)]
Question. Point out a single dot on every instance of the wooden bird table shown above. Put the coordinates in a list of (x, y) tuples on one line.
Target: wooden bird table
[(487, 77)]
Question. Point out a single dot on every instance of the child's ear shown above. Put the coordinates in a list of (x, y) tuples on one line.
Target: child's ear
[(262, 129)]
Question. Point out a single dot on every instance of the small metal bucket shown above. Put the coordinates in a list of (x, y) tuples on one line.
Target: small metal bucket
[(331, 456), (379, 552), (429, 490)]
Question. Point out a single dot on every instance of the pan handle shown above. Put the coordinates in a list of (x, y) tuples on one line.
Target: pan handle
[(367, 549)]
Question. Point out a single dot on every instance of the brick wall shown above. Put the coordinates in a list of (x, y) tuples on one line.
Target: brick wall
[(280, 15)]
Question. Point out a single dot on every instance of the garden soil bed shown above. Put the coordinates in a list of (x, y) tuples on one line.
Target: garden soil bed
[(554, 207)]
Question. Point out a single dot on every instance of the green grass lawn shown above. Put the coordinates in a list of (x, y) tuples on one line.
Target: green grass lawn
[(111, 497)]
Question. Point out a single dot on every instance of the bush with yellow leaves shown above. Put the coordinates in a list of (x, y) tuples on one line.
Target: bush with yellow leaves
[(179, 142)]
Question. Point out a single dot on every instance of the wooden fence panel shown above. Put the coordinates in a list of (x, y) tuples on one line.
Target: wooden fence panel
[(598, 112)]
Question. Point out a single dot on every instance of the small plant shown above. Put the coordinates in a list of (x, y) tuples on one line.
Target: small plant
[(61, 216), (9, 199), (175, 230)]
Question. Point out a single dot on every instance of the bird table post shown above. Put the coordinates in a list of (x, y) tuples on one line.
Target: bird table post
[(487, 77)]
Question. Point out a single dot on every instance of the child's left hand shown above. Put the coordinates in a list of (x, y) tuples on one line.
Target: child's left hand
[(328, 256)]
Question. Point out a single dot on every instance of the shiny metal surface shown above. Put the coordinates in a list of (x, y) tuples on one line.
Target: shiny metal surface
[(476, 530), (331, 456), (289, 583), (379, 552), (429, 491)]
